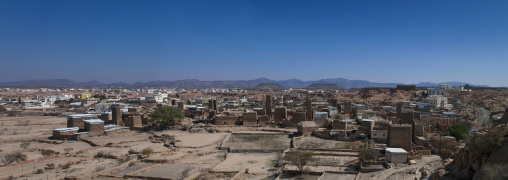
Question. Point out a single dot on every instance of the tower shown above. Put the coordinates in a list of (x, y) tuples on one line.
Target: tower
[(268, 105)]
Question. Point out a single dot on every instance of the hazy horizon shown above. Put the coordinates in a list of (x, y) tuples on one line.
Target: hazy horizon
[(138, 41), (437, 82)]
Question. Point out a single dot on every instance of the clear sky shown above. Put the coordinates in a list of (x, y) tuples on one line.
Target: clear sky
[(406, 41)]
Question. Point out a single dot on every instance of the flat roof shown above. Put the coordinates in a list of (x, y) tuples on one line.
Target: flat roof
[(66, 129), (82, 115), (94, 121), (395, 150), (367, 120)]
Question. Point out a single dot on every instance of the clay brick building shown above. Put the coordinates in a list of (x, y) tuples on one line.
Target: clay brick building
[(306, 127), (400, 136), (260, 111), (280, 114), (116, 115), (94, 126), (107, 117), (298, 117), (263, 119), (227, 120), (347, 109), (339, 124), (308, 109), (133, 121), (367, 125), (250, 118), (64, 133), (268, 105), (77, 120)]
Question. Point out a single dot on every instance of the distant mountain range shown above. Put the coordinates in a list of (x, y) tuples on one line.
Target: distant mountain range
[(330, 86), (194, 83)]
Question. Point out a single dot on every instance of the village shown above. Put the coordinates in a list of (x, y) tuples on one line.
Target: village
[(376, 133)]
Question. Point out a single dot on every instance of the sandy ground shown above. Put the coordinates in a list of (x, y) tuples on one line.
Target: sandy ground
[(258, 142), (313, 142), (332, 176), (195, 139), (118, 138), (174, 171), (255, 162)]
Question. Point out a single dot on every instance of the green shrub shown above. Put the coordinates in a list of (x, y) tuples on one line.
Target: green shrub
[(39, 171), (147, 151)]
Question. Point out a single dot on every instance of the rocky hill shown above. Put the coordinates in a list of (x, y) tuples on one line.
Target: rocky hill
[(484, 157)]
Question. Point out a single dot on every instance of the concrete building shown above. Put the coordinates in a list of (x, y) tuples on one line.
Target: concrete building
[(396, 155)]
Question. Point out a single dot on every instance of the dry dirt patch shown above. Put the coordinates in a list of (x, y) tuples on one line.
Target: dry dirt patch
[(255, 162)]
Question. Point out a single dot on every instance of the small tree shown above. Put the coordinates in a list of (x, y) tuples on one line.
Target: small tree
[(47, 152), (10, 158), (68, 149), (166, 116), (338, 116), (24, 145), (368, 154), (147, 151), (459, 131), (299, 159)]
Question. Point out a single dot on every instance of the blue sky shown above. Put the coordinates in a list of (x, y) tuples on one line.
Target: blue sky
[(380, 41)]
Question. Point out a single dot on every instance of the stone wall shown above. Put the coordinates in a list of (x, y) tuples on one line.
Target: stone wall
[(226, 120)]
